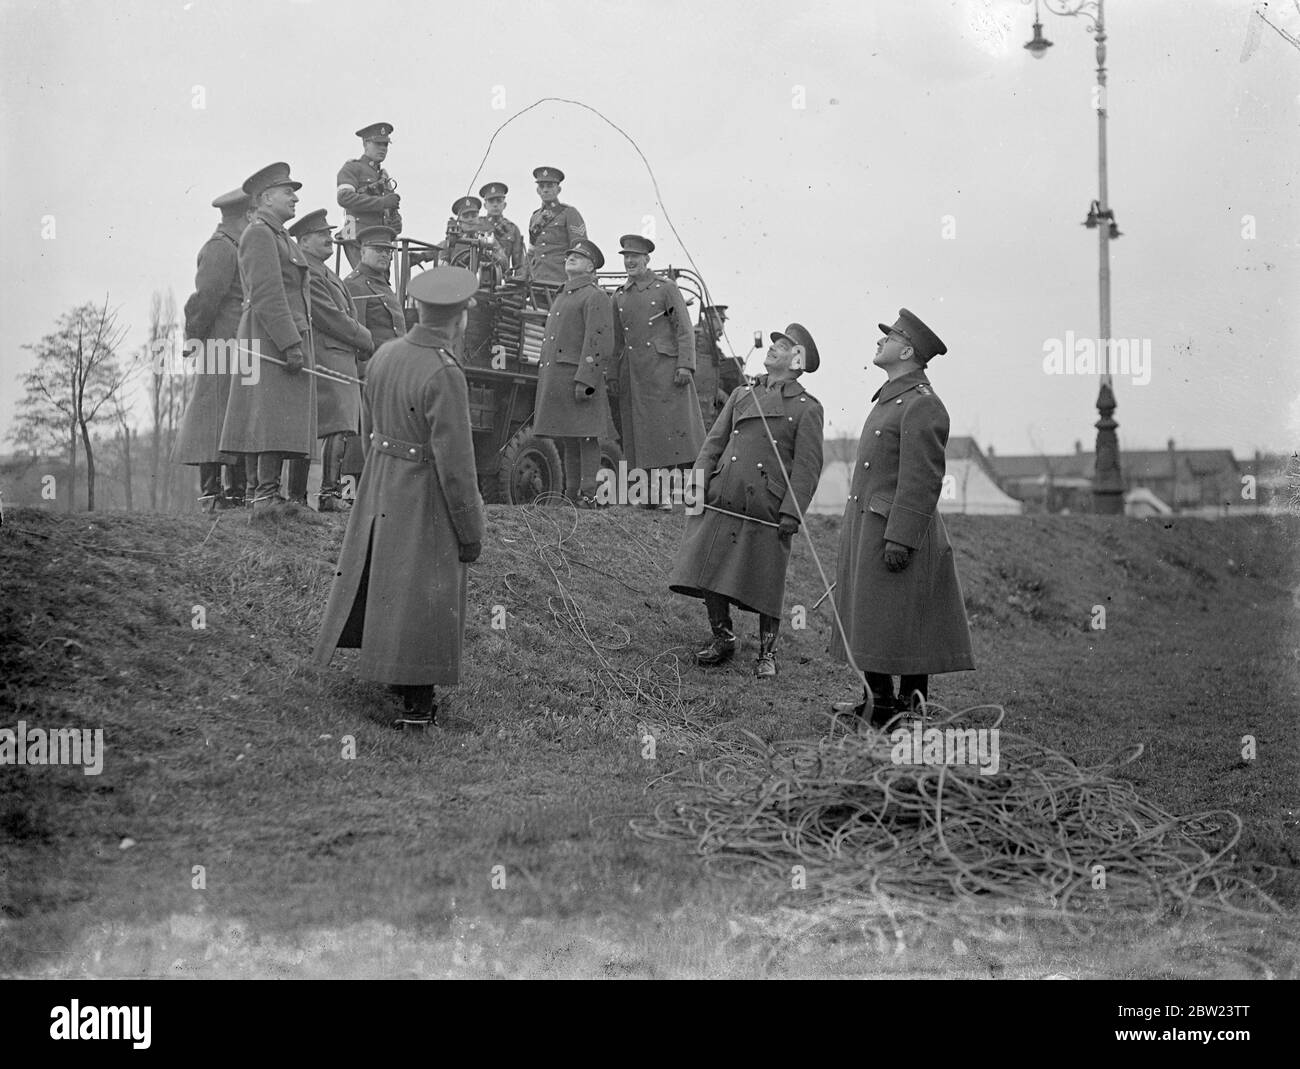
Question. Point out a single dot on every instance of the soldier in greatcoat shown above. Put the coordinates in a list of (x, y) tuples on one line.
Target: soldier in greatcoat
[(737, 550), (509, 238), (553, 229), (399, 588), (212, 314), (274, 417), (365, 191), (897, 592), (571, 390), (654, 366), (341, 344), (377, 307)]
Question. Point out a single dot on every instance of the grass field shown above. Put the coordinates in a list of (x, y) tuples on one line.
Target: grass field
[(254, 817)]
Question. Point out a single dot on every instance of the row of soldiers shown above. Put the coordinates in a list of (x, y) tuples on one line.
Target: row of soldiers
[(349, 318), (400, 586)]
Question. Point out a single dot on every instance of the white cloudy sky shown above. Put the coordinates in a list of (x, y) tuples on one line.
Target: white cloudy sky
[(831, 214)]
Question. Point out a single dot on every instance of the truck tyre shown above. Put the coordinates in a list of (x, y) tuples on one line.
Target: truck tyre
[(530, 467)]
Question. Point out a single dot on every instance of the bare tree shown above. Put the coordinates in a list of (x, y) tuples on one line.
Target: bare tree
[(73, 386)]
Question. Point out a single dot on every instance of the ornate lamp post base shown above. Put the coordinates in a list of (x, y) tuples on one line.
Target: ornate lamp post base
[(1107, 483)]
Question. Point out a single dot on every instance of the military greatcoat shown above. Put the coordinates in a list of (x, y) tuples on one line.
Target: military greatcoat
[(399, 588), (277, 414), (576, 350), (552, 231), (652, 339), (211, 313), (738, 558), (910, 622), (341, 344)]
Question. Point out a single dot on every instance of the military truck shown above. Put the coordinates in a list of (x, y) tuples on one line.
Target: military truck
[(502, 350)]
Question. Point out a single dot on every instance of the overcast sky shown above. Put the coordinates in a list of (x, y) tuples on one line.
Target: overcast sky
[(934, 165)]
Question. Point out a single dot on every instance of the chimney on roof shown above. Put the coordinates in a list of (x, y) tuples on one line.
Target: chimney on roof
[(1078, 447), (1171, 445), (990, 452)]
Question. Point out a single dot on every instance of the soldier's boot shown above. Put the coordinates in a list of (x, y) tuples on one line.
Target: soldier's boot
[(765, 666), (878, 701), (330, 498), (237, 473), (912, 694), (266, 496), (722, 646), (297, 488), (419, 708), (209, 487)]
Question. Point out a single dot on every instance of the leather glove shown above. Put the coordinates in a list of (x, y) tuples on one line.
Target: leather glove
[(683, 376), (789, 528), (580, 393), (293, 359), (469, 552), (896, 556)]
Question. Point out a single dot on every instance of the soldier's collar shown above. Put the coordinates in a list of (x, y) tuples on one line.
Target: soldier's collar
[(428, 337), (901, 385), (270, 219), (369, 272), (788, 389), (642, 281), (578, 282)]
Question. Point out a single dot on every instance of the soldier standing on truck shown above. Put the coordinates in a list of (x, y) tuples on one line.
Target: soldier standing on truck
[(509, 238), (553, 229), (579, 339), (366, 192)]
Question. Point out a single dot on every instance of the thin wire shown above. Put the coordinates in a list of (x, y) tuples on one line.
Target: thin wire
[(803, 525)]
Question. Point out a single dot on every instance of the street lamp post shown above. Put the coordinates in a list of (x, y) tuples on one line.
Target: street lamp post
[(1107, 482)]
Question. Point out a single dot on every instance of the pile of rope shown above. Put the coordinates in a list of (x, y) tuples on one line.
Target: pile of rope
[(1046, 835)]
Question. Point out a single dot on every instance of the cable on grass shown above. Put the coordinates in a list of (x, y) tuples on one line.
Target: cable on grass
[(882, 842), (654, 685)]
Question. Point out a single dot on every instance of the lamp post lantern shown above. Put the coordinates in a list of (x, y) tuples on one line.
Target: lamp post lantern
[(1107, 482)]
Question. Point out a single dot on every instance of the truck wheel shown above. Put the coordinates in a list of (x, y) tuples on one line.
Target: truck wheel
[(530, 467), (610, 455)]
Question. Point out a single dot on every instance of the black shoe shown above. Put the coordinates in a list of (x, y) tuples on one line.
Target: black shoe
[(883, 712), (721, 648)]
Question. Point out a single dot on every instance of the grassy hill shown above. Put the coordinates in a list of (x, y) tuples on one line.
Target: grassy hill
[(254, 816)]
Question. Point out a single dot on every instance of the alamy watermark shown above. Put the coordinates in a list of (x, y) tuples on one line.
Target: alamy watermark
[(57, 746), (1086, 356), (946, 746), (659, 486), (213, 356)]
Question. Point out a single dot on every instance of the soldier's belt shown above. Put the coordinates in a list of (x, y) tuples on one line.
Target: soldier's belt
[(395, 447)]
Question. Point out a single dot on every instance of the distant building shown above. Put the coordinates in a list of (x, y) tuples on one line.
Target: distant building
[(1206, 481)]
